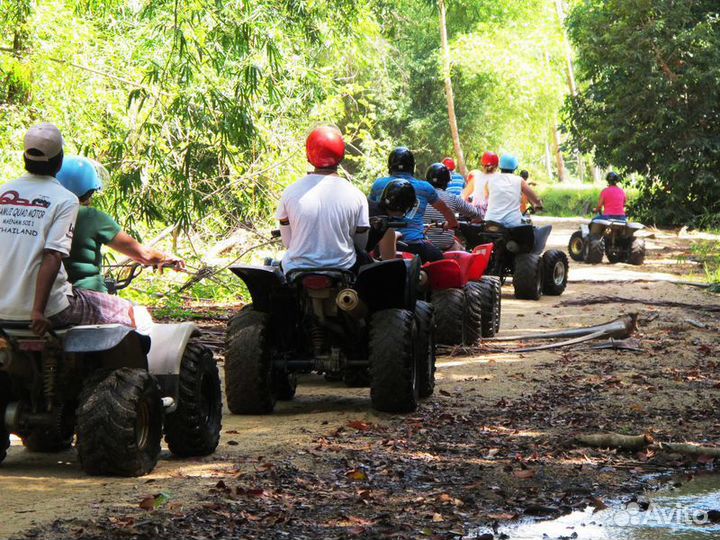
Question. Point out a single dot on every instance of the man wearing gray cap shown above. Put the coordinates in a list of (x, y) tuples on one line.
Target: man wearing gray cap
[(37, 217)]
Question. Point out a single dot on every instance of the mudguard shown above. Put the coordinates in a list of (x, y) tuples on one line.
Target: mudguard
[(445, 274), (541, 237), (388, 284), (121, 345), (585, 230), (262, 282), (168, 343)]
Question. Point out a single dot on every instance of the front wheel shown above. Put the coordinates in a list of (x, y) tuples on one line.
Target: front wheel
[(576, 246), (194, 428), (473, 319), (119, 423), (490, 298), (248, 364), (637, 252), (555, 272), (393, 362), (528, 276)]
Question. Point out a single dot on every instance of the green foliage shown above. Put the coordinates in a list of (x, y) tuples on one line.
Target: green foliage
[(650, 70), (708, 252)]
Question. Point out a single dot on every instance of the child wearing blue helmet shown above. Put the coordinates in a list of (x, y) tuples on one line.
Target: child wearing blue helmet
[(504, 193), (95, 228)]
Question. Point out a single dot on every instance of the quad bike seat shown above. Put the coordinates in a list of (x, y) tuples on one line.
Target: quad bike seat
[(446, 274)]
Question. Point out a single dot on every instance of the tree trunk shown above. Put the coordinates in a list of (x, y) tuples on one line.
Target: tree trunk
[(449, 90), (559, 161), (548, 161)]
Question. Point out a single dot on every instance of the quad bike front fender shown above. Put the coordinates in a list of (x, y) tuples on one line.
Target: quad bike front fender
[(585, 230), (262, 282), (167, 347), (541, 237)]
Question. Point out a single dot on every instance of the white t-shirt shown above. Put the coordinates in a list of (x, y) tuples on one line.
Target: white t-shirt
[(480, 181), (505, 194), (36, 213), (324, 213)]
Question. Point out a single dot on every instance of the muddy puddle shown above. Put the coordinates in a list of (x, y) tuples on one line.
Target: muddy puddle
[(690, 511)]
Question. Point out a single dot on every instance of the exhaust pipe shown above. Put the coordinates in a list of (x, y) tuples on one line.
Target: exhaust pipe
[(349, 301)]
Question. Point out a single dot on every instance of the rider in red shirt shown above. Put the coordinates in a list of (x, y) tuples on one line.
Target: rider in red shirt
[(612, 199)]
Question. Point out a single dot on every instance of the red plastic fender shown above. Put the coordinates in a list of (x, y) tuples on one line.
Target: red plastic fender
[(445, 274), (483, 254)]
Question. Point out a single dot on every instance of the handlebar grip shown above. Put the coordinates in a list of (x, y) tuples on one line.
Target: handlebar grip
[(275, 233)]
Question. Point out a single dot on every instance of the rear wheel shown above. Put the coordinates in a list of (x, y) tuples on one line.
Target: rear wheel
[(637, 252), (595, 249), (194, 428), (248, 364), (449, 307), (473, 319), (576, 246), (425, 351), (490, 301), (119, 423), (393, 363), (555, 272), (528, 276)]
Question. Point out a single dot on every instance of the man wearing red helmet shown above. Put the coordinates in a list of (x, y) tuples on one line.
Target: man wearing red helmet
[(457, 180), (477, 180), (323, 217)]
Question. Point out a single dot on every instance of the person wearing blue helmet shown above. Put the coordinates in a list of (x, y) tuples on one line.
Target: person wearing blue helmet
[(95, 228), (504, 193)]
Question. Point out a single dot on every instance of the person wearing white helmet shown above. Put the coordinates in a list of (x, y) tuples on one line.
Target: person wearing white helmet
[(504, 193)]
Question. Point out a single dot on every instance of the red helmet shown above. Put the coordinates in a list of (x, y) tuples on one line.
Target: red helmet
[(449, 163), (490, 159), (325, 147)]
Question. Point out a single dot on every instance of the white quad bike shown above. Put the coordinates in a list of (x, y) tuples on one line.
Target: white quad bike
[(112, 388), (614, 238)]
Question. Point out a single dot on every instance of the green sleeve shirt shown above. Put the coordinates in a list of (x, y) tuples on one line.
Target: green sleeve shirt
[(93, 228)]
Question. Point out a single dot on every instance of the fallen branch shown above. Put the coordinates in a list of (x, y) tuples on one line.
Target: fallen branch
[(641, 442), (621, 300), (567, 343), (619, 328), (629, 344)]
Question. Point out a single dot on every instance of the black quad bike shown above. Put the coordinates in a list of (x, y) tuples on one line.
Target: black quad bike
[(614, 238), (367, 329), (519, 252), (113, 389)]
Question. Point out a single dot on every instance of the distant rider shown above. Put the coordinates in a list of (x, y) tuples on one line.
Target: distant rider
[(504, 193), (323, 217), (401, 165), (612, 199), (457, 180), (94, 228), (438, 176), (477, 181), (37, 219), (398, 200)]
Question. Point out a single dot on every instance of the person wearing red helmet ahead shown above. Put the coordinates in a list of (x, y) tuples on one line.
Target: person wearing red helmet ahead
[(457, 180), (323, 218), (477, 180)]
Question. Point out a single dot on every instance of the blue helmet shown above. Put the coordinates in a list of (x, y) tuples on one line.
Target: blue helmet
[(509, 162), (79, 175)]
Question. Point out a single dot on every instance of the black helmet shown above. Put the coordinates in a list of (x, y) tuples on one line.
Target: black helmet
[(612, 178), (401, 160), (438, 175), (399, 196)]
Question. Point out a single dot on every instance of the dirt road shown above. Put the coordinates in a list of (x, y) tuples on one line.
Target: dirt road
[(537, 399)]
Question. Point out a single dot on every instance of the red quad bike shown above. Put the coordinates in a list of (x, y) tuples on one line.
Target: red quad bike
[(519, 252), (467, 303), (368, 329)]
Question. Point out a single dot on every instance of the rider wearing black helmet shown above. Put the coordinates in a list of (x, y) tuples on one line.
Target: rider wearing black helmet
[(439, 176), (612, 199), (397, 201), (401, 165)]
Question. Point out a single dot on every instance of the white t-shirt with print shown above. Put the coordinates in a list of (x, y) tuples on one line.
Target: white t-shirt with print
[(505, 195), (36, 213), (324, 212)]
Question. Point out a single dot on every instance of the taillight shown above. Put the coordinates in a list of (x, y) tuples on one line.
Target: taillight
[(317, 282)]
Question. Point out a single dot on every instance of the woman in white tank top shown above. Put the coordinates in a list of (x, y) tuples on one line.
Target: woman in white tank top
[(504, 194)]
